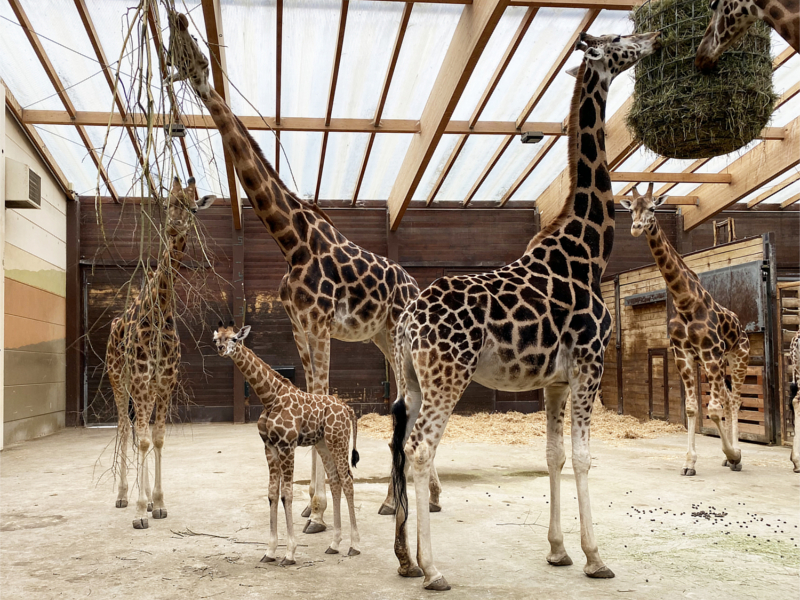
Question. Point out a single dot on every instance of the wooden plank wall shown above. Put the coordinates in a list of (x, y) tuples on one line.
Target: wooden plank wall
[(35, 305), (789, 319)]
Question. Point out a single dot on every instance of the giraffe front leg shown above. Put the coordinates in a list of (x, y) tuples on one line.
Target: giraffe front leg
[(124, 432), (795, 455), (144, 443), (555, 398), (719, 398), (336, 493), (583, 393), (738, 365), (287, 476), (159, 511), (274, 485), (686, 369)]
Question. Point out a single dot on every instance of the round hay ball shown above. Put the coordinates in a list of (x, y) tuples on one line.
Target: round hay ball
[(680, 113)]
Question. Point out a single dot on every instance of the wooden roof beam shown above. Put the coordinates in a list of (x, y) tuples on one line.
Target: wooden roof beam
[(653, 167), (672, 177), (773, 190), (498, 153), (598, 4), (528, 170), (762, 164), (474, 29), (387, 82), (448, 165), (790, 201), (55, 80)]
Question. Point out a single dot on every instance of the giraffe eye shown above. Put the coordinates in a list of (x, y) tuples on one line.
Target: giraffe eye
[(616, 39), (714, 4)]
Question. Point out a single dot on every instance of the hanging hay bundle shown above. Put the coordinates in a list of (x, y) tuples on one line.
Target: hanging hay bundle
[(680, 113)]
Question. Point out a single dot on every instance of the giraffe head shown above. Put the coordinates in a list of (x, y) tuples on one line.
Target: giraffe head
[(226, 338), (730, 20), (185, 57), (643, 209), (182, 207), (613, 54)]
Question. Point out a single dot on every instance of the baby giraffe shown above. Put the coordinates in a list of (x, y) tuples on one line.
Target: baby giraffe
[(294, 418)]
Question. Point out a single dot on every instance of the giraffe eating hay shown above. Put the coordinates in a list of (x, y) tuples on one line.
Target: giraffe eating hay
[(701, 330), (539, 322), (732, 18), (293, 418), (143, 355), (794, 366), (333, 288)]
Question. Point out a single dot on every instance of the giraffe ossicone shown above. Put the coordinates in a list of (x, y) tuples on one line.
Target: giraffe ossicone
[(143, 355), (293, 418)]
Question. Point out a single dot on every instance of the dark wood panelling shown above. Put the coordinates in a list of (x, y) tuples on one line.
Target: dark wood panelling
[(630, 252)]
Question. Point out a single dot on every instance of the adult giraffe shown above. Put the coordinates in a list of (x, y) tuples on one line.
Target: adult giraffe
[(732, 18), (333, 288), (539, 322), (143, 354)]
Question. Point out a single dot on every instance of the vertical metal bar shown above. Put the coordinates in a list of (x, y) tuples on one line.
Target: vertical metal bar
[(238, 316)]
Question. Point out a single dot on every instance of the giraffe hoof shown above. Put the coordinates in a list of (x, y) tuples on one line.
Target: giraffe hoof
[(267, 559), (434, 507), (287, 562), (160, 513), (414, 571), (149, 507), (602, 573), (735, 467), (439, 585), (353, 552), (385, 509), (725, 463), (331, 551), (312, 527), (306, 512), (688, 472), (564, 561), (797, 469), (121, 503), (140, 523)]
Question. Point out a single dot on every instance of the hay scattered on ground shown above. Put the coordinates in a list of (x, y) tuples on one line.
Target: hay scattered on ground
[(515, 428)]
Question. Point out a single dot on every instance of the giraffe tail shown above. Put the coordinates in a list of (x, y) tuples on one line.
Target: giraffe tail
[(792, 394), (355, 457), (728, 383), (399, 456), (132, 417)]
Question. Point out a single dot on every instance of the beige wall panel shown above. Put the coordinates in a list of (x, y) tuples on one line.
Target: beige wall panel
[(23, 368), (23, 401), (24, 234), (32, 427), (29, 269), (32, 303), (34, 336)]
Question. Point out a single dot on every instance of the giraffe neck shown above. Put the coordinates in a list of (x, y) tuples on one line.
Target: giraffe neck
[(162, 280), (288, 219), (266, 383), (677, 275), (782, 18)]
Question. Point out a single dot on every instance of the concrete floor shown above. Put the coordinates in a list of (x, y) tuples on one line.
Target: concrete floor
[(62, 537)]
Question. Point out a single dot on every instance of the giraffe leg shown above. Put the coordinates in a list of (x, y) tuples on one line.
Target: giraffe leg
[(337, 445), (274, 466), (738, 365), (328, 459), (159, 511), (795, 455), (124, 432), (555, 398), (144, 443), (286, 456), (583, 390), (719, 397), (435, 487), (685, 364)]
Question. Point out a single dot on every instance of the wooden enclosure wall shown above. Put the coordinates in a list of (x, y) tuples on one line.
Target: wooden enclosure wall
[(789, 318)]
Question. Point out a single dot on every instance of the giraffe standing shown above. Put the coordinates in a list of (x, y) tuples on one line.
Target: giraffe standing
[(732, 18), (143, 355), (794, 367), (701, 331), (333, 288), (293, 418), (539, 322)]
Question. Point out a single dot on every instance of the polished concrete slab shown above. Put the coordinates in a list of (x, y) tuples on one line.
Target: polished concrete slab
[(718, 535)]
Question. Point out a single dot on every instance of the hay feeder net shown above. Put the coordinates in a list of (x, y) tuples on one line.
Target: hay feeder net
[(677, 111)]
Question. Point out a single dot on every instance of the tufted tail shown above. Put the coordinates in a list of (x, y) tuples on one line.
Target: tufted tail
[(792, 394), (353, 417), (399, 456)]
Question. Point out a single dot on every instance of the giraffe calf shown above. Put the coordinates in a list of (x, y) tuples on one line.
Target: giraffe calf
[(294, 418)]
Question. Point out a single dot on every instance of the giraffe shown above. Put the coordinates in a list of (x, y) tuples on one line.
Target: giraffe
[(730, 19), (143, 354), (293, 418), (701, 331), (794, 367), (539, 322), (333, 288)]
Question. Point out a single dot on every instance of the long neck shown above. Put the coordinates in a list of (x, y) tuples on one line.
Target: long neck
[(587, 216), (288, 219), (162, 280), (681, 281), (264, 381), (783, 17)]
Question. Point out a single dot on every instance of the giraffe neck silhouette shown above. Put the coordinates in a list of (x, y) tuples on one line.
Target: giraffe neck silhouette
[(162, 280), (266, 382), (680, 279), (782, 19), (288, 219), (587, 217)]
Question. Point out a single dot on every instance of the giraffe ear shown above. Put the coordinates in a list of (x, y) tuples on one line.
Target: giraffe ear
[(176, 185), (573, 72), (659, 200), (205, 202), (243, 333), (594, 53), (626, 204)]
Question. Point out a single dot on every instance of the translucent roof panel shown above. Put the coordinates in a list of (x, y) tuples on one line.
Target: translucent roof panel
[(435, 166), (300, 163), (368, 43), (428, 36), (384, 164), (343, 157), (476, 153), (787, 192), (544, 174), (513, 162)]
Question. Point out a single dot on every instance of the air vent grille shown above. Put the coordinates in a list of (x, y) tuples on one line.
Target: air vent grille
[(34, 188)]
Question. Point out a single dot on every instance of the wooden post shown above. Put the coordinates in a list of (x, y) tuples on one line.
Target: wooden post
[(238, 315), (74, 358), (618, 342)]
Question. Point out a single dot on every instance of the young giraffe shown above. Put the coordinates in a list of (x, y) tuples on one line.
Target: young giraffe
[(732, 18), (539, 322), (333, 288), (143, 354), (293, 418), (794, 367), (701, 330)]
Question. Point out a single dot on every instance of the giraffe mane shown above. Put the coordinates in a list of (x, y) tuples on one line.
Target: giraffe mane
[(572, 161), (260, 154)]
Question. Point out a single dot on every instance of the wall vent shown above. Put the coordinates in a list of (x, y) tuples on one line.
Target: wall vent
[(23, 186)]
